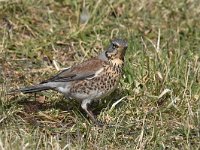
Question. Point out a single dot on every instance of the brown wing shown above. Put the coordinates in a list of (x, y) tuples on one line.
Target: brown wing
[(81, 71)]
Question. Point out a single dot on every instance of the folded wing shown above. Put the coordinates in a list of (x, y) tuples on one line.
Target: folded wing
[(87, 69)]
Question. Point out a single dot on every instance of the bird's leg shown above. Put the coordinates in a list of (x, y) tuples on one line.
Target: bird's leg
[(84, 106)]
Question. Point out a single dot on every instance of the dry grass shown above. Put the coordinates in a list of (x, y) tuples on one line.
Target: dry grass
[(160, 90)]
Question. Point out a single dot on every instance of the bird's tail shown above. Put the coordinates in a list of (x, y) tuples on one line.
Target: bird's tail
[(31, 89)]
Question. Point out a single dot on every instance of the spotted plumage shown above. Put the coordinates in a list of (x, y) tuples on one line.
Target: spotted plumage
[(90, 80)]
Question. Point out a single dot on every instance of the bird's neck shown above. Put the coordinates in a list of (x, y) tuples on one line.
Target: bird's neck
[(116, 66), (117, 62)]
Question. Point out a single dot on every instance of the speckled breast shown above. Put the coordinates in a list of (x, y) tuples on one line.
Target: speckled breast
[(97, 87)]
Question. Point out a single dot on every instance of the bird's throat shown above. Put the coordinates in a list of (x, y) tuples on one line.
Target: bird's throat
[(117, 62)]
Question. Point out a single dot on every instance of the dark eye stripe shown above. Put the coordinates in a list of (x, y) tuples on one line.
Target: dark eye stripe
[(115, 46)]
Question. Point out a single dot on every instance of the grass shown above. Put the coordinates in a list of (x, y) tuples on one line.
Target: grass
[(160, 89)]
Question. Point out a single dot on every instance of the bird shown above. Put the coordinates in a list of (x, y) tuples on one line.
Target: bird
[(90, 80)]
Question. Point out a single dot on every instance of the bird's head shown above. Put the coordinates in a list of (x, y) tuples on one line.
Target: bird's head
[(116, 51)]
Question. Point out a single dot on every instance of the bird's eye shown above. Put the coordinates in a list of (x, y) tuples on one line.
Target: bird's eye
[(114, 46)]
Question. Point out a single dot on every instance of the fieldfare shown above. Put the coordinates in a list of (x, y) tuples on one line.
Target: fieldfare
[(90, 80)]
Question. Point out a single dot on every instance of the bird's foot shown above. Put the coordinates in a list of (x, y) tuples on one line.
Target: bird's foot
[(98, 123)]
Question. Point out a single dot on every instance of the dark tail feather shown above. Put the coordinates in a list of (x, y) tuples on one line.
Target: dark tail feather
[(32, 89)]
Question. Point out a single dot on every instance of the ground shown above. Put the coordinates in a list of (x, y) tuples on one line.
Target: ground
[(157, 104)]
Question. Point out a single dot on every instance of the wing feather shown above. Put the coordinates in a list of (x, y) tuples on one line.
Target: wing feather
[(87, 69)]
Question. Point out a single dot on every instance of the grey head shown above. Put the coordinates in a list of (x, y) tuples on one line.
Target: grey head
[(116, 50)]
